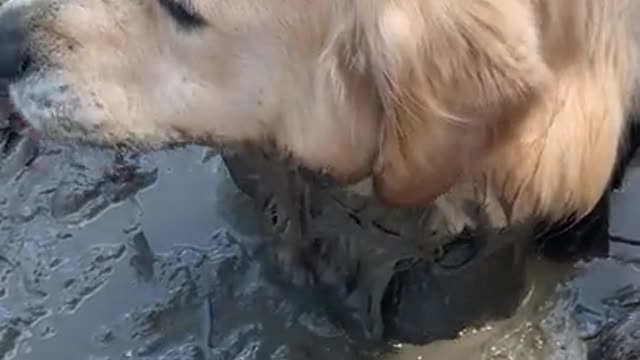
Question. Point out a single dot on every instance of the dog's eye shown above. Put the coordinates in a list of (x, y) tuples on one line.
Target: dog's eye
[(183, 13)]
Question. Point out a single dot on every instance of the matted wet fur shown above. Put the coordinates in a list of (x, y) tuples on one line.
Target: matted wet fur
[(517, 106)]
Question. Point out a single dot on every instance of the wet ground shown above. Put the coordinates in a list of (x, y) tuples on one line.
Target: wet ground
[(148, 257)]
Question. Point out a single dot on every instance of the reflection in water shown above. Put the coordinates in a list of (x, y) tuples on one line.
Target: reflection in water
[(523, 336), (567, 303)]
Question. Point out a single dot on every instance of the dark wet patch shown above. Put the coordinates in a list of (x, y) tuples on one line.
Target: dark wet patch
[(401, 285)]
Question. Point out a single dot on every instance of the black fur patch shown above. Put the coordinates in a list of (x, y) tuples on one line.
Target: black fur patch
[(184, 15), (629, 147)]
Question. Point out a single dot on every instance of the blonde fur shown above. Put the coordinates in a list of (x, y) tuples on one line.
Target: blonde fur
[(519, 106)]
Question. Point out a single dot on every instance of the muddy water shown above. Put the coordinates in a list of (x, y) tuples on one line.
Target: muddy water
[(146, 258), (568, 304)]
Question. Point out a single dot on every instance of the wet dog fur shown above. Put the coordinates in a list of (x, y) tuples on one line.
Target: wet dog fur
[(520, 106)]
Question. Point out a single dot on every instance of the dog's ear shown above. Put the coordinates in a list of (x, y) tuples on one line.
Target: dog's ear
[(454, 77)]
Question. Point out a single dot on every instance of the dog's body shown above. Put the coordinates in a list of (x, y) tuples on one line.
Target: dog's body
[(519, 106)]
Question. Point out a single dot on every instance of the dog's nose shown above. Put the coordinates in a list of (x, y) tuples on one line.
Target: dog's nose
[(13, 57)]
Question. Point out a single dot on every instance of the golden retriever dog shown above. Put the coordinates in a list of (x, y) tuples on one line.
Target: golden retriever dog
[(517, 105)]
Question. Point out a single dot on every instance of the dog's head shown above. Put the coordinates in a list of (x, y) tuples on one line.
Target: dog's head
[(335, 84), (108, 71), (158, 72)]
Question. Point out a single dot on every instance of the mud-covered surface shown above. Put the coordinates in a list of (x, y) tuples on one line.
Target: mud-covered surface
[(154, 257), (144, 258)]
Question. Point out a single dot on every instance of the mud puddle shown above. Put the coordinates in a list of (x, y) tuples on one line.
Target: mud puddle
[(106, 258), (570, 305), (139, 258)]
